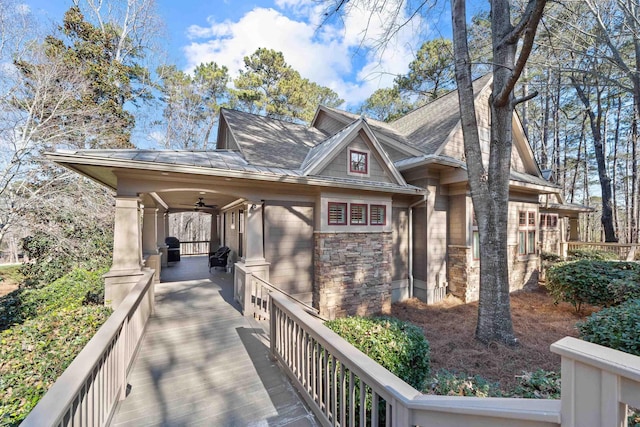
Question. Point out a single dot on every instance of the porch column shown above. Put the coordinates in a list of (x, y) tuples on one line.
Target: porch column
[(214, 242), (253, 263), (161, 234), (127, 251), (573, 230), (150, 231), (254, 252)]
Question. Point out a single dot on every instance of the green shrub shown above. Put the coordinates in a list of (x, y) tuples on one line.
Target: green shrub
[(550, 257), (34, 354), (398, 346), (616, 327), (624, 289), (448, 383), (588, 282), (592, 254), (78, 288)]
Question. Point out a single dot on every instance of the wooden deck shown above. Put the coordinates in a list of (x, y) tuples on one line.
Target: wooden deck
[(203, 363)]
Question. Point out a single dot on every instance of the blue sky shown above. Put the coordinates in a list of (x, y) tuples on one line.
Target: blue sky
[(339, 56)]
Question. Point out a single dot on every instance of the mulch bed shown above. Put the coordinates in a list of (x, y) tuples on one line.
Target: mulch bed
[(449, 326)]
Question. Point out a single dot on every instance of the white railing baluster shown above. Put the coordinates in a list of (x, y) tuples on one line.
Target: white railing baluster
[(87, 392)]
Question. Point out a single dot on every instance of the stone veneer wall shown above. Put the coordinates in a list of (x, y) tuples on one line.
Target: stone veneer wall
[(352, 273), (464, 274)]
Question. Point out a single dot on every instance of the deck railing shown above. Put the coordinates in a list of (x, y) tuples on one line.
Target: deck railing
[(344, 387), (623, 250), (194, 247), (88, 391), (256, 295)]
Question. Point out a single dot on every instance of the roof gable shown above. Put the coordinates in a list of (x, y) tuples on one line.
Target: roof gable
[(386, 135), (323, 154)]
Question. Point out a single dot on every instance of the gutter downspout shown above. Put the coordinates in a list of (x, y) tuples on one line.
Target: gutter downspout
[(424, 200)]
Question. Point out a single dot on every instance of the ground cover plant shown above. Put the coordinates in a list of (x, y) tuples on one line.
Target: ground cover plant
[(43, 329)]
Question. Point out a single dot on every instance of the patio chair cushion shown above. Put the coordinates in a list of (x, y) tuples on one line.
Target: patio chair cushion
[(219, 257)]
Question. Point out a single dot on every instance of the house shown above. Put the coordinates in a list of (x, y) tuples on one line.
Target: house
[(349, 214)]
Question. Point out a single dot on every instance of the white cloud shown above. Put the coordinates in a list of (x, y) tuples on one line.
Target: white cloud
[(342, 58)]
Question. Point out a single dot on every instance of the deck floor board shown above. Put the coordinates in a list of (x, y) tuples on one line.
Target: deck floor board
[(202, 363)]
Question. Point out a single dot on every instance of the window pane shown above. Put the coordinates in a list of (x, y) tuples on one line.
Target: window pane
[(337, 213), (522, 242), (378, 214), (531, 242), (522, 218), (532, 218), (358, 214), (358, 162)]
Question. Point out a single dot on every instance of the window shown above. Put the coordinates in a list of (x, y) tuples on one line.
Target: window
[(526, 232), (358, 162), (358, 214), (378, 214), (233, 220), (548, 220), (337, 213)]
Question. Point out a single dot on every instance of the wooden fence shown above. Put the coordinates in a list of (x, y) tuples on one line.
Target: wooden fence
[(624, 251), (88, 391)]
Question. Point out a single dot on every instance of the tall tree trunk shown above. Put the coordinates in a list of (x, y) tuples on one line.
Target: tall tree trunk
[(490, 187), (544, 149), (489, 203), (614, 168), (556, 130), (598, 144)]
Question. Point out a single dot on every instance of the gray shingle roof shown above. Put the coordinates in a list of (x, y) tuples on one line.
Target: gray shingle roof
[(221, 160), (270, 142), (428, 127)]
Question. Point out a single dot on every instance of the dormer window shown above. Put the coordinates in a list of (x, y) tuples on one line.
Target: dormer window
[(358, 162)]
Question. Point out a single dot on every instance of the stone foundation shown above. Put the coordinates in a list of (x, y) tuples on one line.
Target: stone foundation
[(352, 273), (464, 272)]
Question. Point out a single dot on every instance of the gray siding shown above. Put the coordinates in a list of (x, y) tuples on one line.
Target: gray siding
[(289, 246), (458, 220), (437, 235), (420, 243), (327, 124), (339, 166), (400, 220)]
